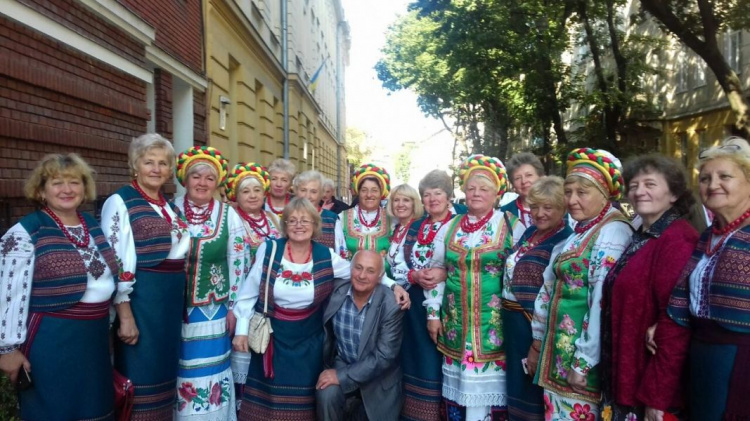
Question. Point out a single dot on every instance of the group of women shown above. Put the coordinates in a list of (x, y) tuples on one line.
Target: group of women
[(552, 307)]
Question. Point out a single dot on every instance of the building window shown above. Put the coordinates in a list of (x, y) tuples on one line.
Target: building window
[(732, 50), (703, 141), (699, 72), (682, 71)]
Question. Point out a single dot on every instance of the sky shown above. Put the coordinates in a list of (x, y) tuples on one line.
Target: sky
[(390, 119)]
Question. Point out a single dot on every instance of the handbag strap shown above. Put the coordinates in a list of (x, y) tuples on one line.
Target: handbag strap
[(272, 257)]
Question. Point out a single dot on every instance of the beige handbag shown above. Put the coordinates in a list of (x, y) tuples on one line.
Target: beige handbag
[(260, 324)]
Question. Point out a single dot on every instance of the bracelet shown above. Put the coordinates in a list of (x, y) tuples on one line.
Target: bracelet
[(534, 348), (410, 277)]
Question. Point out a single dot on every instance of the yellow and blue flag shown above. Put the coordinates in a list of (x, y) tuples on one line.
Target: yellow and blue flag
[(314, 78)]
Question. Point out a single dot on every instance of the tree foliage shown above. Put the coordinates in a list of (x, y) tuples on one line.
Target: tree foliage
[(358, 151), (698, 24), (492, 69), (403, 161)]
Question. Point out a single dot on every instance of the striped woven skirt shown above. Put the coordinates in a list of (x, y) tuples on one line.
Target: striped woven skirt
[(525, 399), (421, 363), (70, 366), (204, 379), (296, 361), (151, 364)]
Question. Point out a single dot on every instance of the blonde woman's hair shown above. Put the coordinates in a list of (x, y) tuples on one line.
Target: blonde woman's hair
[(59, 165)]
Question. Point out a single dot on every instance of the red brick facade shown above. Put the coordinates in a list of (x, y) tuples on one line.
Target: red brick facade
[(179, 26), (55, 99)]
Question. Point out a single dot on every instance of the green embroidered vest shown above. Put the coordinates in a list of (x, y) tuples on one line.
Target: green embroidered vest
[(471, 305), (568, 305), (207, 268), (378, 240)]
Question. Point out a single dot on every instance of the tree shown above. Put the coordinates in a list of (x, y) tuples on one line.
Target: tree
[(698, 28), (358, 149), (403, 161)]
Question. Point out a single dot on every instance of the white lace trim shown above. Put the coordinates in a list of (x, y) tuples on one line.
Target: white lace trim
[(465, 399)]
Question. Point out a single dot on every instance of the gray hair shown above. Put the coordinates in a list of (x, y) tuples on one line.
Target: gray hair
[(734, 148), (146, 143), (523, 158), (299, 204), (367, 251), (327, 182), (307, 177), (200, 166), (436, 179), (282, 165), (248, 180)]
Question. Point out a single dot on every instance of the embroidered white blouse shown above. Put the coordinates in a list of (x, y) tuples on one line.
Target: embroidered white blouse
[(119, 233), (238, 252), (16, 275)]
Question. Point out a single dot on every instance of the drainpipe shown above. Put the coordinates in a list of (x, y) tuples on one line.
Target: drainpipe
[(338, 109), (285, 66)]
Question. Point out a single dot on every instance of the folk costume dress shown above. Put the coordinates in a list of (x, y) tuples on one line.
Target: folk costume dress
[(216, 266), (281, 382), (267, 206), (713, 298), (472, 342), (150, 243), (420, 360), (636, 295), (254, 238), (517, 208), (332, 232), (522, 279), (55, 305), (567, 315), (366, 230)]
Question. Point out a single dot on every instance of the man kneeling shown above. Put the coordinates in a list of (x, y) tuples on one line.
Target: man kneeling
[(363, 326)]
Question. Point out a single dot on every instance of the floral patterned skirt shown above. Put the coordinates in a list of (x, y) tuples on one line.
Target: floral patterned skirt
[(204, 381), (561, 408), (474, 391)]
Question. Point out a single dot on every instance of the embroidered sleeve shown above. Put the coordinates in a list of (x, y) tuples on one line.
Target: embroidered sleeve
[(116, 227), (434, 297), (247, 295), (238, 254), (610, 244), (16, 274), (339, 239), (541, 304)]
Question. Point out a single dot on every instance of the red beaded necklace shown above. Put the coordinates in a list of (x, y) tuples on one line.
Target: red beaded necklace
[(469, 227), (400, 232), (84, 242), (522, 211), (194, 219), (431, 230), (364, 222), (161, 202), (530, 243), (291, 259), (725, 232), (274, 210), (260, 225), (581, 229)]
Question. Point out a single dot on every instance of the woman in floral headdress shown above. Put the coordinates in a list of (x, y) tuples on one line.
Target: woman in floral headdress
[(367, 226), (470, 337), (216, 264), (150, 239), (247, 186), (567, 313)]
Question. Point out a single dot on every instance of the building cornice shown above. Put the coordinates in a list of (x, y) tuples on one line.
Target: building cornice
[(123, 18), (163, 60)]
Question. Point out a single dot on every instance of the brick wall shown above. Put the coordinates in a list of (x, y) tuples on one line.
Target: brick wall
[(179, 26), (55, 99)]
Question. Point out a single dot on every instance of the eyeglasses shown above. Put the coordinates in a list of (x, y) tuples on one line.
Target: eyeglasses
[(302, 222), (726, 149)]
